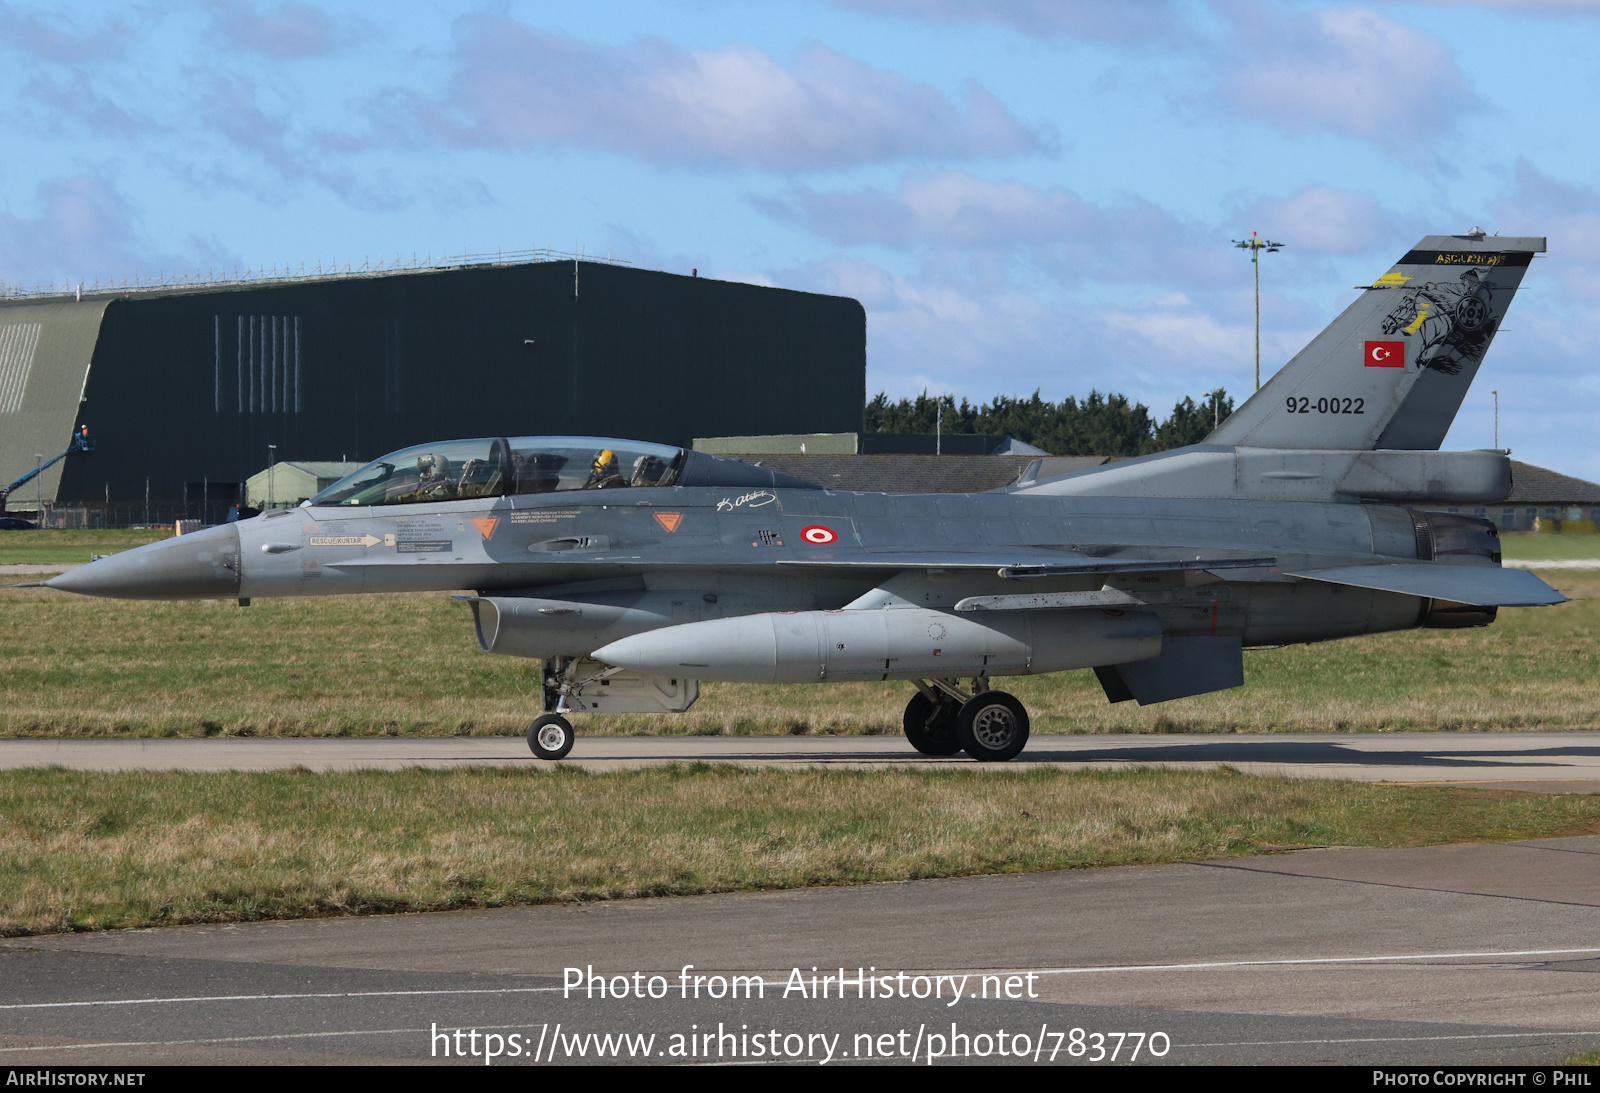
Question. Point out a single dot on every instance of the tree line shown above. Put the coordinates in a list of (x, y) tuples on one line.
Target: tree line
[(1097, 425)]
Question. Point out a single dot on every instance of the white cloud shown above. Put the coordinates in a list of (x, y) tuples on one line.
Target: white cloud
[(1349, 70), (953, 212), (1176, 329), (58, 36), (977, 341), (73, 97), (1569, 215), (939, 207), (86, 229), (1521, 7), (290, 30), (282, 156), (1327, 220), (518, 86), (1123, 22), (1132, 298), (1546, 361)]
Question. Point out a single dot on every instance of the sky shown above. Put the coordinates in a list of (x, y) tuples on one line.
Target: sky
[(1024, 194)]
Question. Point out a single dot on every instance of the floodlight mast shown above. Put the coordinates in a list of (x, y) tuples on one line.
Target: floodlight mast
[(1255, 245)]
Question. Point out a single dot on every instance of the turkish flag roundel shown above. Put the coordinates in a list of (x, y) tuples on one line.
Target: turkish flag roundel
[(1385, 355)]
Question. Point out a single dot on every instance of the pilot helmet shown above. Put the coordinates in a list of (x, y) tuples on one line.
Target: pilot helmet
[(605, 462)]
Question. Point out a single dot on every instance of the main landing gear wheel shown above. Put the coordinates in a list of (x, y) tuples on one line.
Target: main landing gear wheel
[(931, 728), (992, 726), (551, 736)]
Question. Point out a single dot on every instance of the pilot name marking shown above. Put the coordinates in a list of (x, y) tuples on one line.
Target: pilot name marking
[(750, 500)]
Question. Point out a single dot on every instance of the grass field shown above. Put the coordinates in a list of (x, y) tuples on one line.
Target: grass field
[(399, 665), (84, 850), (50, 546), (1527, 546)]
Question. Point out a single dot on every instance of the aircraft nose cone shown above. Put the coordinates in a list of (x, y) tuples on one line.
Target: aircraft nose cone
[(203, 565)]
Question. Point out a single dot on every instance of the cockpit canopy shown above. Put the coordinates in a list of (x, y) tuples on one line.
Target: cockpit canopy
[(455, 470)]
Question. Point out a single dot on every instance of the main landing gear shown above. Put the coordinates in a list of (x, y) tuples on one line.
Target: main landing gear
[(942, 719)]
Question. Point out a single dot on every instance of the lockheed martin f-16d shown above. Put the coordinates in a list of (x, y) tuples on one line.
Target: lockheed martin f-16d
[(634, 571)]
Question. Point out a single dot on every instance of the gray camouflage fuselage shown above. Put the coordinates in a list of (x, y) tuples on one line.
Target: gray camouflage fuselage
[(1298, 521), (740, 552)]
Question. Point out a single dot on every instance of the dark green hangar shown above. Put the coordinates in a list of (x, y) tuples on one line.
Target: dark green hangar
[(185, 387)]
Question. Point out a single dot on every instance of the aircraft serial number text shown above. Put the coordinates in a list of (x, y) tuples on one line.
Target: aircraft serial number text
[(1304, 405)]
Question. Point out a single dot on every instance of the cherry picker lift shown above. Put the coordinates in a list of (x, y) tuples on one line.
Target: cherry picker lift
[(81, 442)]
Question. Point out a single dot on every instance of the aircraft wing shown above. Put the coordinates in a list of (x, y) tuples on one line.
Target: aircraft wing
[(1480, 586)]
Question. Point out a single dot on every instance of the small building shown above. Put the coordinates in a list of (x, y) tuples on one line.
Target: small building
[(284, 485)]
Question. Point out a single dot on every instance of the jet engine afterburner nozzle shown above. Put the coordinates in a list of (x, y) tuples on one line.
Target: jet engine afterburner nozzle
[(203, 565)]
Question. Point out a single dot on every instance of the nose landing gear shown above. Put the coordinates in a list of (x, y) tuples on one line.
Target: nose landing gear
[(550, 736), (942, 719)]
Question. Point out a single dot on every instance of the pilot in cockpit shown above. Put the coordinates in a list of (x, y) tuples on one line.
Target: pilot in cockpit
[(604, 473), (432, 481)]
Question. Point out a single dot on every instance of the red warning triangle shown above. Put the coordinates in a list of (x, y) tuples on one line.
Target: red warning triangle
[(669, 520), (486, 525)]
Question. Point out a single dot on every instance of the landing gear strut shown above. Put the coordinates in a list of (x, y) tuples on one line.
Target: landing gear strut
[(930, 724), (942, 719)]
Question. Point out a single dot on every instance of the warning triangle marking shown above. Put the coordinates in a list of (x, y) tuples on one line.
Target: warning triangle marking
[(669, 520), (486, 525)]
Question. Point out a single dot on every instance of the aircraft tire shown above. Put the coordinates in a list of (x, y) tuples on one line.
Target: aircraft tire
[(551, 736), (992, 726), (931, 730)]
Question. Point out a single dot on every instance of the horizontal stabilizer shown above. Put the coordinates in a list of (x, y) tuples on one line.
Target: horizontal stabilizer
[(1481, 586)]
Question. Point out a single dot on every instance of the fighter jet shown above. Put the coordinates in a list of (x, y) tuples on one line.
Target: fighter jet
[(634, 571)]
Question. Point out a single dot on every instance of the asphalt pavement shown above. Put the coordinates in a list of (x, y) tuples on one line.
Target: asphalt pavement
[(1564, 762), (1474, 954)]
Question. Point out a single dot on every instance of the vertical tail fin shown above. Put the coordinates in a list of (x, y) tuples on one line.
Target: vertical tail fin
[(1392, 370)]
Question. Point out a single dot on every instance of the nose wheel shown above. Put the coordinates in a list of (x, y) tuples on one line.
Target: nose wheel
[(550, 736)]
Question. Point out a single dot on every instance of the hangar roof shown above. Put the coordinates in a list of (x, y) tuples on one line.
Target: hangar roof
[(1540, 486)]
